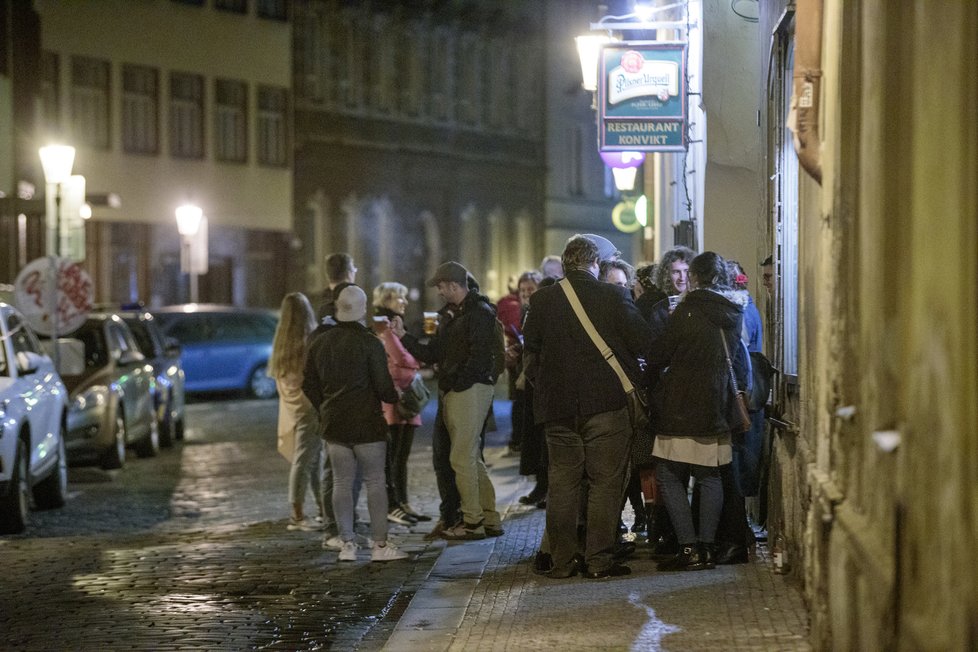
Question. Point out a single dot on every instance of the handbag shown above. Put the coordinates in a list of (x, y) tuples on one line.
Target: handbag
[(638, 401), (738, 416), (413, 398)]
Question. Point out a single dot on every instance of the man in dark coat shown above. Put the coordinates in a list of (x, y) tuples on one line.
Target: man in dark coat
[(581, 402), (463, 348)]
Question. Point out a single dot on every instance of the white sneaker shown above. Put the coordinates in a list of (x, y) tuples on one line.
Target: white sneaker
[(348, 552), (305, 525), (386, 552), (332, 543)]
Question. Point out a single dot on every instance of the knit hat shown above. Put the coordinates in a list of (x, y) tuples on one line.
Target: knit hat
[(606, 249), (450, 271), (351, 304)]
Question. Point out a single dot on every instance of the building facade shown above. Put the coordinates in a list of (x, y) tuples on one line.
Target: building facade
[(170, 102), (419, 138), (876, 420)]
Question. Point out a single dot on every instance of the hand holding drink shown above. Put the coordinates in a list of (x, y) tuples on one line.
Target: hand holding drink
[(430, 323)]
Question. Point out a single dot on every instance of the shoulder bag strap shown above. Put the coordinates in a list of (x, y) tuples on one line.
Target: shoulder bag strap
[(726, 351), (599, 342)]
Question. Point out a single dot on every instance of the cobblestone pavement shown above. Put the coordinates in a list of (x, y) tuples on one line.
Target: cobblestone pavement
[(189, 551)]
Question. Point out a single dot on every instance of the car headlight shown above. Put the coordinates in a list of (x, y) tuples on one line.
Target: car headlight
[(94, 398)]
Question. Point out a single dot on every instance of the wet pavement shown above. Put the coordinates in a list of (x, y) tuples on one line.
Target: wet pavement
[(189, 551)]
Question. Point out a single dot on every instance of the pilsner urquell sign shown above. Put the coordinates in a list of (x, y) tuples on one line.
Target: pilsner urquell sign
[(642, 97)]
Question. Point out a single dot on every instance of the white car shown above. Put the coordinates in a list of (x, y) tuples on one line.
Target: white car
[(33, 415)]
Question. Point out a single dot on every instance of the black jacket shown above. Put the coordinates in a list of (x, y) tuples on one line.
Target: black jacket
[(570, 376), (464, 345), (346, 378), (694, 397)]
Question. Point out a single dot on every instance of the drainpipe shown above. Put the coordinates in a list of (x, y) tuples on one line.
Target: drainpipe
[(806, 89)]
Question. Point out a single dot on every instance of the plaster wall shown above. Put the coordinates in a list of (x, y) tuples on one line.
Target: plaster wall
[(888, 264), (734, 199)]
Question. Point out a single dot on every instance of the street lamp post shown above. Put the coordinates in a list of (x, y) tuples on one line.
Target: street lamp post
[(188, 224), (57, 161)]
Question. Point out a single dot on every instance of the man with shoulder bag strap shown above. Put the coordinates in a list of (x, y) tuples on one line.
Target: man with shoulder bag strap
[(581, 401)]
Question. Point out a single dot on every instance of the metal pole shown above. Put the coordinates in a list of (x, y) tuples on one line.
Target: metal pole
[(55, 264), (193, 288)]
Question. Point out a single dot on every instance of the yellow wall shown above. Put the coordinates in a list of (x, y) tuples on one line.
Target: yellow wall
[(174, 37)]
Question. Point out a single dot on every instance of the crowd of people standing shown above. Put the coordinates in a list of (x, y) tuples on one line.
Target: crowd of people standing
[(579, 339)]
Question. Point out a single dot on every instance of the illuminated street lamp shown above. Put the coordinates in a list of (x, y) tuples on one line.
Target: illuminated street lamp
[(56, 161), (588, 49), (189, 218)]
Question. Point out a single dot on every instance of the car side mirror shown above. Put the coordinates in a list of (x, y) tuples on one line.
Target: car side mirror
[(172, 347), (28, 362), (70, 357)]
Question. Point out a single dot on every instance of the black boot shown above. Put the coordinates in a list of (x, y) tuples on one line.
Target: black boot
[(688, 554), (731, 553), (705, 561)]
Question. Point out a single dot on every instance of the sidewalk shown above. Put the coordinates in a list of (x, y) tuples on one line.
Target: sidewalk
[(483, 595)]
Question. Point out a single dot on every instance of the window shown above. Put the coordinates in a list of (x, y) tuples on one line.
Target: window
[(786, 219), (469, 80), (273, 135), (186, 115), (51, 92), (236, 6), (140, 109), (90, 102), (230, 120), (274, 9)]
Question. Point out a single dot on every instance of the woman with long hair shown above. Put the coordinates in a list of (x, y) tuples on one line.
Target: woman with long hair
[(389, 301), (298, 423), (700, 345)]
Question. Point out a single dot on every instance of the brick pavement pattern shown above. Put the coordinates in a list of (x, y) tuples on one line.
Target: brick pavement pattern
[(189, 551)]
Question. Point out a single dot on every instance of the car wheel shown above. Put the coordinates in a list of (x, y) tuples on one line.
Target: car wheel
[(165, 425), (115, 455), (14, 505), (52, 491), (260, 384), (149, 446)]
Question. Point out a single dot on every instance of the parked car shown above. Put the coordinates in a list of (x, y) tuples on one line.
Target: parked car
[(112, 400), (163, 353), (33, 416), (223, 347)]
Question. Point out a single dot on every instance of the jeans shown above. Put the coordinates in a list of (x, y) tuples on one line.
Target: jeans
[(449, 509), (465, 415), (400, 438), (305, 472), (370, 459), (672, 488), (592, 449)]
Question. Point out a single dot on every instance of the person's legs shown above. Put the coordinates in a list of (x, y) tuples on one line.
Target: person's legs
[(563, 505), (441, 449), (670, 476), (371, 458), (465, 415), (711, 501), (393, 431), (308, 447), (405, 441), (344, 467), (733, 532), (326, 480), (606, 439)]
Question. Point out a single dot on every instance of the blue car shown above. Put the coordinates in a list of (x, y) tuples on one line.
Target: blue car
[(222, 348)]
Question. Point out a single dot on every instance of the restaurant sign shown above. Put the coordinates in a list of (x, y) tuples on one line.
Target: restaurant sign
[(642, 97)]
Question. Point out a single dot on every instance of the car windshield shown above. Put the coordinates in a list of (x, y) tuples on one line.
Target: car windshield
[(141, 334)]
